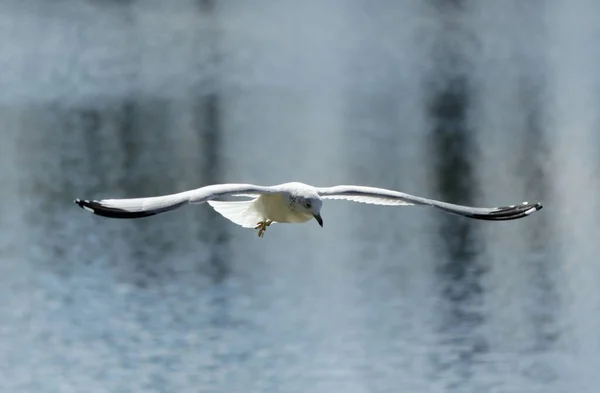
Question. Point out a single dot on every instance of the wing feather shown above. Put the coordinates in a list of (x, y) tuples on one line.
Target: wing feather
[(381, 196), (243, 213), (144, 207), (369, 199)]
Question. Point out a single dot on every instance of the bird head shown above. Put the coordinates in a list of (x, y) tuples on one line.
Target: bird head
[(310, 205)]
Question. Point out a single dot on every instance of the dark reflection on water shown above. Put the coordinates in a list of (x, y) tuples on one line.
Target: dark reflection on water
[(460, 267), (126, 99)]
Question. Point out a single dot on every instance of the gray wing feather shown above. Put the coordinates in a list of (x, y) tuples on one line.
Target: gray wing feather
[(381, 196), (144, 207)]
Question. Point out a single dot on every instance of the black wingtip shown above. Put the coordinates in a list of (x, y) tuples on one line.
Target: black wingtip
[(512, 212), (84, 204), (97, 208)]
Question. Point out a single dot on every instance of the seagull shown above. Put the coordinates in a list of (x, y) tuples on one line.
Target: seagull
[(286, 203)]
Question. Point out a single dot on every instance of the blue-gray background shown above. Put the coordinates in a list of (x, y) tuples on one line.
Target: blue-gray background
[(481, 102)]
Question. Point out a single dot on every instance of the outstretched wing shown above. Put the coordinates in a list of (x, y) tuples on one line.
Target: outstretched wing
[(381, 196), (144, 207)]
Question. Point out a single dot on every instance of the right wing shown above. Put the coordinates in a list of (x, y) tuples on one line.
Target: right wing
[(382, 196), (144, 207)]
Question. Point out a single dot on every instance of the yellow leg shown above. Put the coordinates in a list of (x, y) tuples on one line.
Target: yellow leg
[(262, 227)]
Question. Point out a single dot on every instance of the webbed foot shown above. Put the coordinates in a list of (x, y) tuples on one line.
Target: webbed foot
[(262, 227)]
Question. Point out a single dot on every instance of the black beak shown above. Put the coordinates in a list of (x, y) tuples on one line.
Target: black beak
[(319, 219)]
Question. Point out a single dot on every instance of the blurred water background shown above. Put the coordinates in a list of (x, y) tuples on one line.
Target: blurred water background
[(480, 102)]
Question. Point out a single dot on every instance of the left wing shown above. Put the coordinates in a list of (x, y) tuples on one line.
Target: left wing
[(381, 196)]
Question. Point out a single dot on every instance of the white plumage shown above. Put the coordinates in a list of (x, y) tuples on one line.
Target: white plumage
[(243, 213), (288, 203)]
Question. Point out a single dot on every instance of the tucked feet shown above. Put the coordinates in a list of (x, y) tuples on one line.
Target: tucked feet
[(262, 227)]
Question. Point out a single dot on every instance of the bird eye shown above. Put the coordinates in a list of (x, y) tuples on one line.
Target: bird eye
[(307, 204)]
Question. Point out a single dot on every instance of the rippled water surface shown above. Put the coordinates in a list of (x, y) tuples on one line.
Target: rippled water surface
[(476, 102)]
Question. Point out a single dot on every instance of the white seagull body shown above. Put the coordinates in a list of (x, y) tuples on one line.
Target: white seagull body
[(286, 203)]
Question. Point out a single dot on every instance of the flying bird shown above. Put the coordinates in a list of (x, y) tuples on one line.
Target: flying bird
[(286, 203)]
